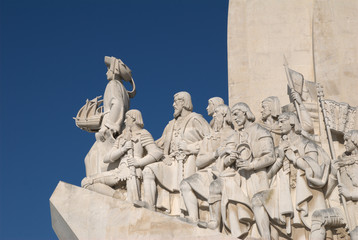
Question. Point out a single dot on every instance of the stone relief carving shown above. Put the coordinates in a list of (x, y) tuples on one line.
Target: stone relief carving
[(270, 180)]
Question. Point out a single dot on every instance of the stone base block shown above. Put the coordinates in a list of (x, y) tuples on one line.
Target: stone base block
[(78, 213)]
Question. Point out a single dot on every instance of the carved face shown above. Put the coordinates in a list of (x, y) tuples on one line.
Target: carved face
[(285, 125), (210, 108), (109, 75), (348, 144), (178, 106), (239, 117), (218, 120), (265, 110), (129, 121)]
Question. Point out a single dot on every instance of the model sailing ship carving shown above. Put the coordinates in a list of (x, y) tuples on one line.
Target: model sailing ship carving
[(89, 117)]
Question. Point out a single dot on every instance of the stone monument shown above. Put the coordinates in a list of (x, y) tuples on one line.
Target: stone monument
[(289, 171)]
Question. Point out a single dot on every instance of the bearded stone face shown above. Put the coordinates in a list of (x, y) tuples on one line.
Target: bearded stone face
[(218, 121), (210, 108), (178, 106)]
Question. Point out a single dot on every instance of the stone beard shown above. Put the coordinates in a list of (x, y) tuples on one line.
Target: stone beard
[(180, 143), (212, 160), (271, 180)]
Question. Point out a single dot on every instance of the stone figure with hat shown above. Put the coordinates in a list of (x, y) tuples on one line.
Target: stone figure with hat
[(106, 120)]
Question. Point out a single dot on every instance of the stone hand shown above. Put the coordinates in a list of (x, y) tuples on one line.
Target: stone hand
[(290, 155), (234, 155), (133, 162), (284, 145), (86, 182), (296, 96), (244, 166), (183, 146), (221, 151), (339, 163), (344, 191), (127, 145)]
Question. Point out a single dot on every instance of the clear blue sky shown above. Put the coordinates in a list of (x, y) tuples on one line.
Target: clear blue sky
[(51, 61)]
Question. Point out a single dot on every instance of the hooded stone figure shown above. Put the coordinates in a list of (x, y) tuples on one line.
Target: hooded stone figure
[(115, 105)]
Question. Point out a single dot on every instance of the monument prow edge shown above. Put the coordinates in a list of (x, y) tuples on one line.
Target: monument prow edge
[(78, 213)]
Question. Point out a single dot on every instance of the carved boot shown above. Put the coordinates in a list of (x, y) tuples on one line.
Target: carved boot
[(215, 214)]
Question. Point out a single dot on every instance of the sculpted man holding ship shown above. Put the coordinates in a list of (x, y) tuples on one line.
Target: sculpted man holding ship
[(106, 120)]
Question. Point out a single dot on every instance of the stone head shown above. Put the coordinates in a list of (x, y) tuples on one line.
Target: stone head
[(270, 107), (351, 141), (182, 100), (287, 122), (221, 115), (134, 117), (117, 70), (213, 103), (241, 113)]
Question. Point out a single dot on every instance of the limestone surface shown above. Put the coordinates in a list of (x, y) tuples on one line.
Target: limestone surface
[(78, 213), (319, 39)]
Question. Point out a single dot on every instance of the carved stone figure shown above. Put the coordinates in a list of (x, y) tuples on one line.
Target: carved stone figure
[(132, 151), (236, 195), (347, 165), (270, 111), (212, 159), (212, 104), (115, 105), (181, 143), (300, 172)]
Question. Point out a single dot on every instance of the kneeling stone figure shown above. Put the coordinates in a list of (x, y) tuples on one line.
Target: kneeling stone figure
[(133, 150)]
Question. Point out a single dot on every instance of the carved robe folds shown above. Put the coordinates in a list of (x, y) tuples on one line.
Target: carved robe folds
[(115, 105), (245, 187), (177, 165), (200, 181), (297, 189), (145, 151)]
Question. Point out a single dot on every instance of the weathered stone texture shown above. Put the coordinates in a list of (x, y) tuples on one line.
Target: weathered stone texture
[(319, 39), (78, 213)]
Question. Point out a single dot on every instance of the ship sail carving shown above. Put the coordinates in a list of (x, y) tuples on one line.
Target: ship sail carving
[(89, 117)]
